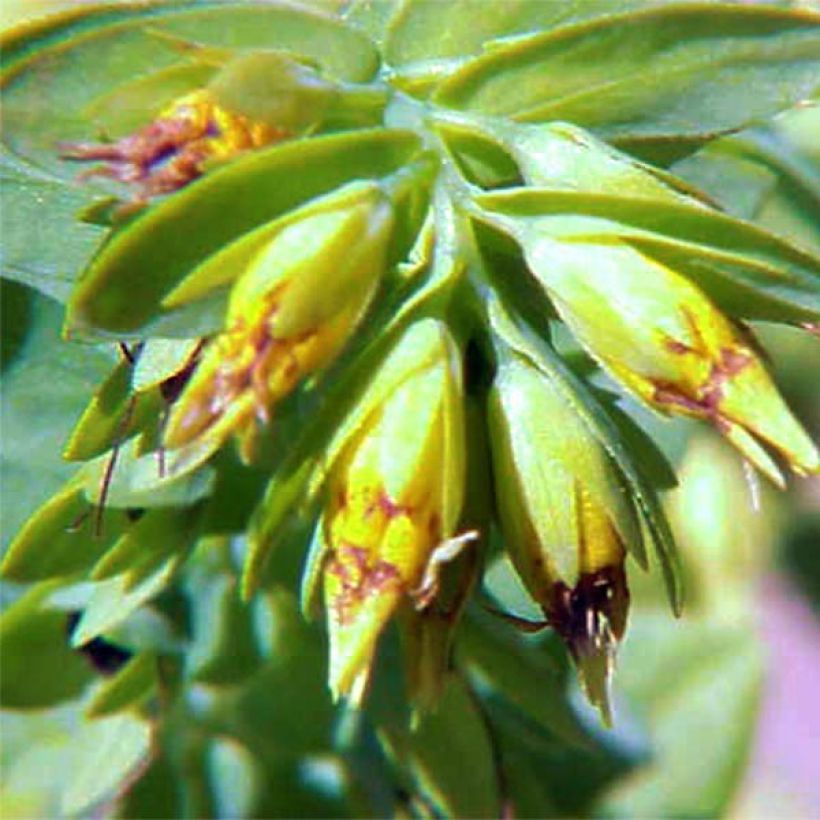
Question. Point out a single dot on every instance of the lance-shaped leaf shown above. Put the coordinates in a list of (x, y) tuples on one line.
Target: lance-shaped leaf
[(51, 92), (45, 253), (65, 535), (123, 288), (112, 416), (769, 175), (39, 668), (426, 41), (561, 156), (678, 70)]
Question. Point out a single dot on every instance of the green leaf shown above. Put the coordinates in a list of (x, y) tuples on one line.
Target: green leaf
[(769, 175), (45, 384), (690, 679), (129, 687), (55, 753), (146, 545), (52, 92), (226, 649), (45, 253), (39, 667), (123, 288), (654, 463), (450, 756), (62, 537), (139, 481), (747, 271), (676, 70), (162, 359), (113, 600), (105, 754), (113, 415), (435, 37), (497, 656)]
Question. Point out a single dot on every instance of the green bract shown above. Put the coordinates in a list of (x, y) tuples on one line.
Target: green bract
[(415, 259)]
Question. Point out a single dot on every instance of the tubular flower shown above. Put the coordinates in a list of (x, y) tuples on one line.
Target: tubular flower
[(168, 153), (395, 493), (289, 314), (663, 339), (565, 516)]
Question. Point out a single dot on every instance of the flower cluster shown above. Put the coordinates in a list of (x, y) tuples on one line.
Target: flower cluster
[(401, 251)]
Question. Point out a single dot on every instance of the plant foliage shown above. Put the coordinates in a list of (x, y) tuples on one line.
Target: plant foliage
[(369, 314)]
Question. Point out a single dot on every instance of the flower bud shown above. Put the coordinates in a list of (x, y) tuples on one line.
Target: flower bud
[(190, 133), (394, 496), (289, 314), (660, 336), (566, 517)]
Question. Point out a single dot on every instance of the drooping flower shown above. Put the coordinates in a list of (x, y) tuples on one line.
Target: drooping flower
[(289, 314), (566, 517), (394, 497), (660, 336)]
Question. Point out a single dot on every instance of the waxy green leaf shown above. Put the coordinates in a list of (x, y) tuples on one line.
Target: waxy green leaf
[(113, 415), (689, 70), (45, 252), (64, 536), (39, 667), (451, 757), (426, 40)]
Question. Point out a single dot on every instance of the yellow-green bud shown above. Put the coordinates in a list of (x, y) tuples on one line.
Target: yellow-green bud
[(663, 339), (566, 517), (394, 496), (290, 313)]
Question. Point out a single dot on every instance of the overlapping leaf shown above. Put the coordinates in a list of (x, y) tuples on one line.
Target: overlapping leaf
[(122, 290), (746, 270), (677, 71)]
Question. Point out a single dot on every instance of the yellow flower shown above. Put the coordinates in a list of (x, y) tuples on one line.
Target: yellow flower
[(289, 314), (394, 497), (661, 337), (175, 148), (566, 517)]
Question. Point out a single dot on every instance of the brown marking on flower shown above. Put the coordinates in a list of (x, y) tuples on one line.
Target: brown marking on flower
[(706, 403), (390, 508), (595, 606), (434, 527), (360, 578), (676, 346), (173, 150)]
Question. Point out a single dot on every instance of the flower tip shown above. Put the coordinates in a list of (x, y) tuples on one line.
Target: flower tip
[(594, 663)]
